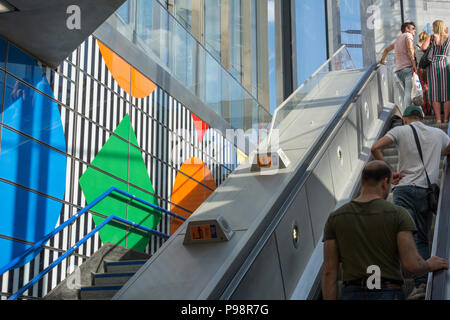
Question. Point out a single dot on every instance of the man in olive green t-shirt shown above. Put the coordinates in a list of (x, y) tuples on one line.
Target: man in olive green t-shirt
[(372, 238)]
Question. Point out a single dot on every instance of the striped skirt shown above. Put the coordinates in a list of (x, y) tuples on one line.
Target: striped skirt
[(439, 79)]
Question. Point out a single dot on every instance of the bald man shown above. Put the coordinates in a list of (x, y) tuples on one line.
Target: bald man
[(371, 237)]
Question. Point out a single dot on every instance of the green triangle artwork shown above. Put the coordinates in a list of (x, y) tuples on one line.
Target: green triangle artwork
[(121, 159)]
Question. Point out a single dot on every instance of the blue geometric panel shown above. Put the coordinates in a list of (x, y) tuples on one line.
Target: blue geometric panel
[(8, 247), (2, 53), (25, 215), (33, 113), (2, 79), (33, 165), (23, 66)]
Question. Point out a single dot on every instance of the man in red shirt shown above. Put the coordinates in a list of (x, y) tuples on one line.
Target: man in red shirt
[(404, 57)]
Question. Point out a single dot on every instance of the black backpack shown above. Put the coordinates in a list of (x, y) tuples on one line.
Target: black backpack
[(428, 55)]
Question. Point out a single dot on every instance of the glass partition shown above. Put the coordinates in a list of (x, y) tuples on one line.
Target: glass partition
[(173, 47), (341, 60)]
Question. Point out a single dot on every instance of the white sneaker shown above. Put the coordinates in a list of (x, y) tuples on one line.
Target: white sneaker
[(418, 293)]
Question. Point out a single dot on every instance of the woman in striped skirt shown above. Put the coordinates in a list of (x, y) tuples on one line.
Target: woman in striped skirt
[(439, 70)]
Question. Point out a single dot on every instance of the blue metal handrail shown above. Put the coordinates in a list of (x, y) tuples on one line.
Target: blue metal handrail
[(38, 244)]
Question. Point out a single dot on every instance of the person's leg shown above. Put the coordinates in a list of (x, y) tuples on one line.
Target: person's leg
[(437, 111), (405, 197), (446, 111), (408, 86), (405, 76), (423, 220)]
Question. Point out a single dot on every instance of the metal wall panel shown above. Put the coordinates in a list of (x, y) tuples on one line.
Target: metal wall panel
[(320, 183), (263, 280), (295, 255), (339, 155)]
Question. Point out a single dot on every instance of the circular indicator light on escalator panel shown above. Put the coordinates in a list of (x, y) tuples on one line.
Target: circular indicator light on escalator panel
[(340, 156), (295, 235)]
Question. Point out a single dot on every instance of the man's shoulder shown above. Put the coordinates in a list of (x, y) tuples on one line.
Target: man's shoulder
[(379, 205), (434, 131)]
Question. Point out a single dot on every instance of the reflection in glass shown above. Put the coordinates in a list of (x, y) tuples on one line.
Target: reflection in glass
[(23, 66), (212, 27), (272, 56), (2, 53), (124, 12), (254, 48), (350, 19), (33, 113), (169, 44), (235, 38), (183, 12), (311, 37), (212, 84)]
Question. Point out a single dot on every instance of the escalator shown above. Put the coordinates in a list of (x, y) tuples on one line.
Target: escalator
[(325, 129), (438, 286)]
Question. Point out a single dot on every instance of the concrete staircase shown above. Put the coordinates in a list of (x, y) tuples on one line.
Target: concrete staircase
[(101, 276), (105, 285)]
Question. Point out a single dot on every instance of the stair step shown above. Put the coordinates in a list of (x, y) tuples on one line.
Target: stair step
[(111, 279), (124, 266), (98, 292)]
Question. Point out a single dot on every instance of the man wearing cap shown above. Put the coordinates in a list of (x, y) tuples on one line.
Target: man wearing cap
[(411, 190)]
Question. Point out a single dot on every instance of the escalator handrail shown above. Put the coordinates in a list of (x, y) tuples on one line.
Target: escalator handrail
[(437, 283), (302, 174)]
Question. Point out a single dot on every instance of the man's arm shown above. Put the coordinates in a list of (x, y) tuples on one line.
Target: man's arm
[(385, 53), (410, 46), (379, 146), (446, 151), (412, 261), (330, 270)]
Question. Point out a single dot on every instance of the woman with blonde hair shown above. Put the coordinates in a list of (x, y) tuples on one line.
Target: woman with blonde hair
[(439, 70)]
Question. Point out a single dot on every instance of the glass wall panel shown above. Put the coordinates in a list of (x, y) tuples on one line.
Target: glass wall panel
[(124, 11), (237, 106), (213, 83), (254, 24), (236, 38), (183, 12), (31, 112), (152, 26), (182, 57), (351, 29), (310, 36), (213, 27), (272, 56), (2, 53), (198, 67)]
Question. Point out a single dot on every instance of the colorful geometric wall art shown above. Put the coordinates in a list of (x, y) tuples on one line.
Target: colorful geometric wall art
[(194, 183), (200, 126), (27, 160), (129, 79), (123, 168)]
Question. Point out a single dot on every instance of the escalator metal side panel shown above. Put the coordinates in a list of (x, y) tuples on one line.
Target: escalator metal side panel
[(250, 203), (438, 287)]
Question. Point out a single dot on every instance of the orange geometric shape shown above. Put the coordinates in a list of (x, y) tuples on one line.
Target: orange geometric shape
[(142, 87), (188, 193), (119, 68), (200, 126), (129, 79)]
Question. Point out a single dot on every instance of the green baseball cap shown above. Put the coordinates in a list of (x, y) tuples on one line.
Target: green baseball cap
[(408, 112)]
